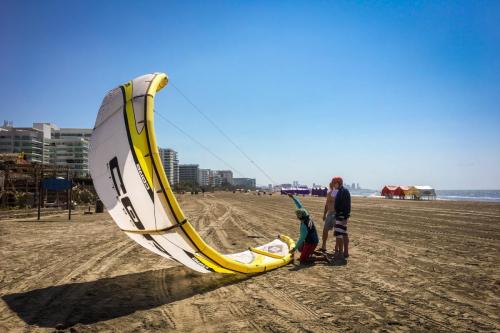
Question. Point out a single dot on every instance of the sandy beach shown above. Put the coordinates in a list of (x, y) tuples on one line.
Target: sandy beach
[(414, 267)]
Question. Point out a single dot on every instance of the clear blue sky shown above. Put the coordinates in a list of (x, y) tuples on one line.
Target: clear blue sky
[(378, 92)]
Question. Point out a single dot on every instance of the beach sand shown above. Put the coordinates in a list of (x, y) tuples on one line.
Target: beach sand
[(414, 266)]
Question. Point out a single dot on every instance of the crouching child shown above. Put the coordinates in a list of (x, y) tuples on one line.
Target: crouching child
[(308, 239)]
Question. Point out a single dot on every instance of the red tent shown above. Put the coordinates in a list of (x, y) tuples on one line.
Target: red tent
[(389, 191)]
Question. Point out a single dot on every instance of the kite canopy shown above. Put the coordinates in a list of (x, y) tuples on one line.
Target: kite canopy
[(129, 178)]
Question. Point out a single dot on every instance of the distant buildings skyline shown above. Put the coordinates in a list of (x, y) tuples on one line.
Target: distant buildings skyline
[(47, 143), (178, 173)]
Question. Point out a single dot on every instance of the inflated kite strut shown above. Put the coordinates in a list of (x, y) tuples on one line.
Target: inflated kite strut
[(129, 178)]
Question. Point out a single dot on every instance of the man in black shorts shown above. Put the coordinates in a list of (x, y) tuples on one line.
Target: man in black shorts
[(342, 214)]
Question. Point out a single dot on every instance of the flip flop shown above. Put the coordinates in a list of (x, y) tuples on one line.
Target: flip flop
[(329, 260)]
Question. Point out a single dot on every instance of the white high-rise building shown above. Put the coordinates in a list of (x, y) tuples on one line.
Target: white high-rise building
[(204, 177), (27, 140), (214, 178), (69, 147), (170, 163)]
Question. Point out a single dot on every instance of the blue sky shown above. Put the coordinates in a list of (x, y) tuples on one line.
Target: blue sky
[(378, 92)]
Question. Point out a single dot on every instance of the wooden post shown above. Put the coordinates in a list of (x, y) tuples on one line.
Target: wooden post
[(70, 190), (40, 192), (70, 198), (67, 191)]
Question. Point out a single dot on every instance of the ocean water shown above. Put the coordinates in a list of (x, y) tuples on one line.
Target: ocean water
[(364, 193), (462, 195), (470, 195)]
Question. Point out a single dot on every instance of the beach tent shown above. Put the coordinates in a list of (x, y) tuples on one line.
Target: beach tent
[(389, 191), (403, 191), (418, 192), (129, 178), (301, 190), (319, 191)]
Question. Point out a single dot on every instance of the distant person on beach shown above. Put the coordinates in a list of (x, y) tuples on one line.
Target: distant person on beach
[(308, 239), (342, 207)]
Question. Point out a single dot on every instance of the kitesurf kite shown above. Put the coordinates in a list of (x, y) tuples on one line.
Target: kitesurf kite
[(129, 179)]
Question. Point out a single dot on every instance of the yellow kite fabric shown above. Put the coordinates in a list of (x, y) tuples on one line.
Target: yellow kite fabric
[(129, 178)]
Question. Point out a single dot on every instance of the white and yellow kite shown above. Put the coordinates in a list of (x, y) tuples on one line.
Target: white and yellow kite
[(129, 178)]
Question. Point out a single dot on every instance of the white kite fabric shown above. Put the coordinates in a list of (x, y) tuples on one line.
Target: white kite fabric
[(129, 178)]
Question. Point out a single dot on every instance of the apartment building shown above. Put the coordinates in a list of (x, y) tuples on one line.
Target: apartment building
[(189, 173), (204, 177), (170, 161), (245, 183), (48, 144)]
